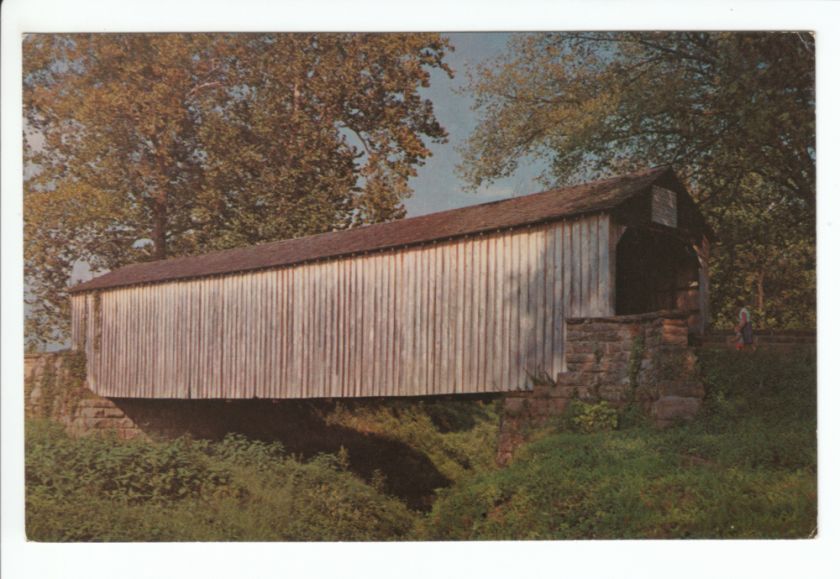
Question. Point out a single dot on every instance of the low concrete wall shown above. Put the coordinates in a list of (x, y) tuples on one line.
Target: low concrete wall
[(642, 359)]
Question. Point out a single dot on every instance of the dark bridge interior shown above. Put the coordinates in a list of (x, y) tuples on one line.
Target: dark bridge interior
[(654, 271)]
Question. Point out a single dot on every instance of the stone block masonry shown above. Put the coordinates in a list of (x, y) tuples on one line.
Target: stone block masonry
[(55, 389), (642, 359)]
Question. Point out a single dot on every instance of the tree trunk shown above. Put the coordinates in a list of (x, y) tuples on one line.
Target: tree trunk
[(759, 283), (159, 229)]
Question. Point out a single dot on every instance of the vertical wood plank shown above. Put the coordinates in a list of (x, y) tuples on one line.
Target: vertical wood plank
[(458, 288), (604, 277), (322, 324), (585, 271), (496, 296), (353, 311), (376, 327), (469, 315), (426, 304), (314, 367), (503, 299), (440, 317), (370, 304), (443, 314), (451, 316), (229, 352), (480, 297), (559, 315), (547, 318), (576, 269), (536, 297), (302, 294), (322, 316), (291, 338), (467, 329), (417, 320), (211, 330), (395, 322), (523, 315), (263, 321), (341, 332), (358, 266), (405, 322), (386, 325), (316, 362)]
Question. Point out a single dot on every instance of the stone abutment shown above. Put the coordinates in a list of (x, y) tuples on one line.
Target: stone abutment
[(637, 359)]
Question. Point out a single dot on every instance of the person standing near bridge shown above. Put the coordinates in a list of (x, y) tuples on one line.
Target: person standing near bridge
[(744, 331)]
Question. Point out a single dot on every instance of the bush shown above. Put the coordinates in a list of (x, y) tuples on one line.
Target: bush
[(453, 434), (103, 489), (585, 417), (131, 472)]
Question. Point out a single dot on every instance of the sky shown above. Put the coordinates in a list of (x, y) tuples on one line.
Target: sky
[(437, 186)]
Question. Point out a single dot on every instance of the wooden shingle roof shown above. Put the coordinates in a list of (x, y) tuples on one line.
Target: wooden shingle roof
[(509, 213)]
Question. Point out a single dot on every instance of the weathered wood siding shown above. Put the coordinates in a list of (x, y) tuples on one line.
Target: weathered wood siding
[(464, 316)]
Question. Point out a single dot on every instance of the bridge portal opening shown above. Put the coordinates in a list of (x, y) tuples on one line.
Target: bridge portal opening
[(655, 271)]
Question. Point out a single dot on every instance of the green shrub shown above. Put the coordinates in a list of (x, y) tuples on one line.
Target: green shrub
[(586, 417), (131, 472), (633, 415), (457, 436), (104, 489)]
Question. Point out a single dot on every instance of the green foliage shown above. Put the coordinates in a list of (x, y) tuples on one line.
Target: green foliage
[(75, 364), (130, 472), (732, 112), (633, 415), (101, 489), (586, 417), (142, 146), (778, 388), (766, 258), (746, 468), (49, 387), (60, 385), (453, 434), (634, 366)]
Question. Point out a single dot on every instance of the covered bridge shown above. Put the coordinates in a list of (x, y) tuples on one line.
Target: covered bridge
[(471, 300)]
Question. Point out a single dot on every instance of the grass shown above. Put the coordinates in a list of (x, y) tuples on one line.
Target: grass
[(746, 468)]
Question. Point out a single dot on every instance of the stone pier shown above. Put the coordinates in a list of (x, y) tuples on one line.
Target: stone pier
[(640, 359)]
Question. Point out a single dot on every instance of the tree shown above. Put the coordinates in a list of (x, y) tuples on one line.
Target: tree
[(732, 112), (149, 146)]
